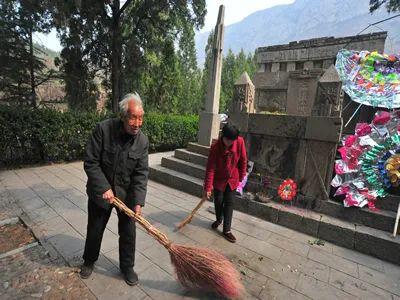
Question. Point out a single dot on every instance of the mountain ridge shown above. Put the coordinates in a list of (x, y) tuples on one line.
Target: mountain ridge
[(303, 19)]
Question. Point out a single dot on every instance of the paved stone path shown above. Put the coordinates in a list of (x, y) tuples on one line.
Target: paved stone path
[(275, 262)]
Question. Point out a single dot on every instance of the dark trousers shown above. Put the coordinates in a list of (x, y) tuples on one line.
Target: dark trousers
[(223, 202), (97, 221)]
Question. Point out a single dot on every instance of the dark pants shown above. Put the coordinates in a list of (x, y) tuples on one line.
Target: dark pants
[(97, 221), (223, 202)]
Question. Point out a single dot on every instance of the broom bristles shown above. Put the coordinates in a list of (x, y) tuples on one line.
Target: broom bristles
[(205, 269), (196, 268)]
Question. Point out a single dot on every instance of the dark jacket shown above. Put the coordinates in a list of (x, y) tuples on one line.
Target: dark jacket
[(117, 161), (225, 165)]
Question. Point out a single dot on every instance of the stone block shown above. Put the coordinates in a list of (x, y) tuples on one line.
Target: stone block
[(291, 66), (327, 129), (263, 248), (199, 149), (183, 167), (337, 231), (301, 94), (208, 128), (356, 287), (377, 219), (275, 290), (289, 218), (241, 204), (304, 265), (390, 202), (308, 65), (316, 289), (277, 125), (289, 244), (362, 259), (271, 99), (377, 243), (67, 243), (310, 223), (192, 157), (275, 67), (263, 211), (240, 120), (384, 281), (276, 271), (333, 261)]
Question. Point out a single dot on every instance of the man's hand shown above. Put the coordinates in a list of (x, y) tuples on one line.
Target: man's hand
[(206, 195), (109, 196), (138, 210)]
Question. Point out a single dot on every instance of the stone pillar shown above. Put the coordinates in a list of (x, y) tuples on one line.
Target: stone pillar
[(328, 101), (308, 65), (209, 119), (243, 97), (291, 66), (302, 88), (275, 67)]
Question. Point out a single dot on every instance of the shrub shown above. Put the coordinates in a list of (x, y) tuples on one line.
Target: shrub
[(31, 136)]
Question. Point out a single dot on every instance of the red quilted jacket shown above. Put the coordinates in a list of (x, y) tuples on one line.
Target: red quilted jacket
[(225, 165)]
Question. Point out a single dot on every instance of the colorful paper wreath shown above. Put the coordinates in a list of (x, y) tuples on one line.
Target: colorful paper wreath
[(370, 163), (392, 167), (287, 190), (370, 78)]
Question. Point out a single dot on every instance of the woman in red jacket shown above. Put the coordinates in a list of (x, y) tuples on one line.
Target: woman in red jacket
[(226, 168)]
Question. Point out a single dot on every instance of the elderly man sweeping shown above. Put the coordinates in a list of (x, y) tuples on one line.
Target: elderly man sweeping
[(116, 164)]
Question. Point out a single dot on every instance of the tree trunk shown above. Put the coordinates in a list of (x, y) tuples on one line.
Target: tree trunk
[(32, 70), (116, 60)]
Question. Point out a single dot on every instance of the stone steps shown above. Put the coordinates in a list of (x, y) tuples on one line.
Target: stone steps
[(177, 180), (184, 167), (364, 230), (200, 149), (380, 219), (361, 238), (390, 202), (364, 239), (192, 157)]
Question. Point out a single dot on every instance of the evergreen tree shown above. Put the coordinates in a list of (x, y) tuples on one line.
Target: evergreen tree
[(391, 5), (119, 39), (22, 70)]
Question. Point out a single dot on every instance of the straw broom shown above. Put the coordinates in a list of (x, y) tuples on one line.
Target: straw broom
[(196, 268), (189, 218)]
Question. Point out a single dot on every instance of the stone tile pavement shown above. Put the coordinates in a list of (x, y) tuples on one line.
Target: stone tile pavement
[(275, 262)]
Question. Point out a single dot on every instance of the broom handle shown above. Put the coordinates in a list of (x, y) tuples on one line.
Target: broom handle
[(397, 221), (153, 231), (189, 218)]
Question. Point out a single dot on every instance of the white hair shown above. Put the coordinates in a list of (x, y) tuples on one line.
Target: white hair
[(123, 104)]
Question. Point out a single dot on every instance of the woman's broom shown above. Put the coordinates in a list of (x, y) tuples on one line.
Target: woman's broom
[(189, 218), (239, 189), (196, 268)]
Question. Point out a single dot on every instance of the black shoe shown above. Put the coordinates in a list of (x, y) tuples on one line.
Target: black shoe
[(229, 236), (215, 224), (130, 276), (86, 270)]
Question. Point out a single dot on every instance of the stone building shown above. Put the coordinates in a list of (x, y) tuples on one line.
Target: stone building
[(294, 78), (300, 83)]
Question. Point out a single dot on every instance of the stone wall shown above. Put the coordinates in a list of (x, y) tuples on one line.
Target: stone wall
[(284, 147), (320, 49), (280, 81)]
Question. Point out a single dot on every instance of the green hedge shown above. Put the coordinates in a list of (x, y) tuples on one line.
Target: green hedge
[(31, 136)]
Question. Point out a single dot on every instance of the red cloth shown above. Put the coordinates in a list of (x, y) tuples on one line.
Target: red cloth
[(225, 166)]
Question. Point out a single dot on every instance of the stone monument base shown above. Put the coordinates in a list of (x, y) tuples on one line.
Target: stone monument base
[(208, 128)]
